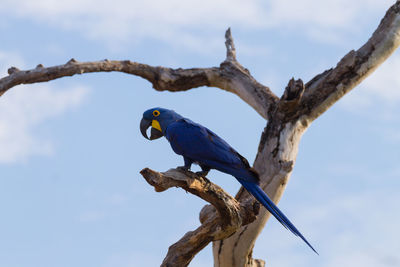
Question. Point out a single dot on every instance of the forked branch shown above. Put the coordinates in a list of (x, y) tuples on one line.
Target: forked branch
[(231, 214), (328, 87), (297, 108)]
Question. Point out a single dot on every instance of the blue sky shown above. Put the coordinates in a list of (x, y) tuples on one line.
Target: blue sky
[(71, 151)]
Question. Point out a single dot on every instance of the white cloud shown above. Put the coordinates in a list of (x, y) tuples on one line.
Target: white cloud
[(330, 13), (121, 20), (330, 21), (195, 22), (25, 107)]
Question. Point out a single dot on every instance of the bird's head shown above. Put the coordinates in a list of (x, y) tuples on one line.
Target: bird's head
[(158, 119)]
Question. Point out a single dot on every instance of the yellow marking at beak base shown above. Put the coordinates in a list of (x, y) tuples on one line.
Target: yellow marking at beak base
[(156, 124)]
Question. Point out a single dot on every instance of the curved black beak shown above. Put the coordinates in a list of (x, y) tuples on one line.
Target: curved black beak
[(154, 134)]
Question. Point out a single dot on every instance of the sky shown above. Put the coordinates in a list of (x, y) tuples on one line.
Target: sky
[(71, 150)]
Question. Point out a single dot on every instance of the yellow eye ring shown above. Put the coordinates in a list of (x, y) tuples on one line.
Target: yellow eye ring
[(156, 113)]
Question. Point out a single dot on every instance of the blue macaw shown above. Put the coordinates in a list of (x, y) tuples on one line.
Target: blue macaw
[(199, 145)]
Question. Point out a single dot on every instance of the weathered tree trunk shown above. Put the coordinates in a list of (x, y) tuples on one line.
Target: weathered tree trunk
[(231, 224), (280, 140), (274, 162)]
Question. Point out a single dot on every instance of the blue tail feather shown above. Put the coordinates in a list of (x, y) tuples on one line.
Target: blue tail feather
[(262, 197)]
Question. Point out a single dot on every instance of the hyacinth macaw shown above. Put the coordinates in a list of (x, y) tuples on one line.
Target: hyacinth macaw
[(199, 145)]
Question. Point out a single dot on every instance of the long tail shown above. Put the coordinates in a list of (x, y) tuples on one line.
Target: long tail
[(262, 197)]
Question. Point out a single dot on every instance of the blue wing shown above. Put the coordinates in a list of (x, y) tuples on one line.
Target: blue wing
[(201, 145)]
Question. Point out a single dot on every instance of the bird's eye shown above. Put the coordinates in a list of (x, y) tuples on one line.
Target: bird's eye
[(156, 113)]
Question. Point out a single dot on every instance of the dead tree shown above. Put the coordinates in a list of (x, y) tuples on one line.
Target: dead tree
[(233, 224)]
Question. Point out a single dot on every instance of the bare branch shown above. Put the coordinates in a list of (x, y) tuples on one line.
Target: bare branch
[(231, 214), (230, 76), (328, 87), (161, 78), (238, 80)]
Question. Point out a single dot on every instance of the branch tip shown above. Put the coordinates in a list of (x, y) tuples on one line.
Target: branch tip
[(230, 46)]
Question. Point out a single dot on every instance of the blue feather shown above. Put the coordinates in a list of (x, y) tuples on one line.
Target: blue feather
[(197, 144), (262, 197)]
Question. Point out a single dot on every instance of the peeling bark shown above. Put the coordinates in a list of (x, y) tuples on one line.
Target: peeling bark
[(231, 224)]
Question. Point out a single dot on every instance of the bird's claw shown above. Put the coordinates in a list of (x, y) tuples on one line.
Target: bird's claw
[(202, 173)]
